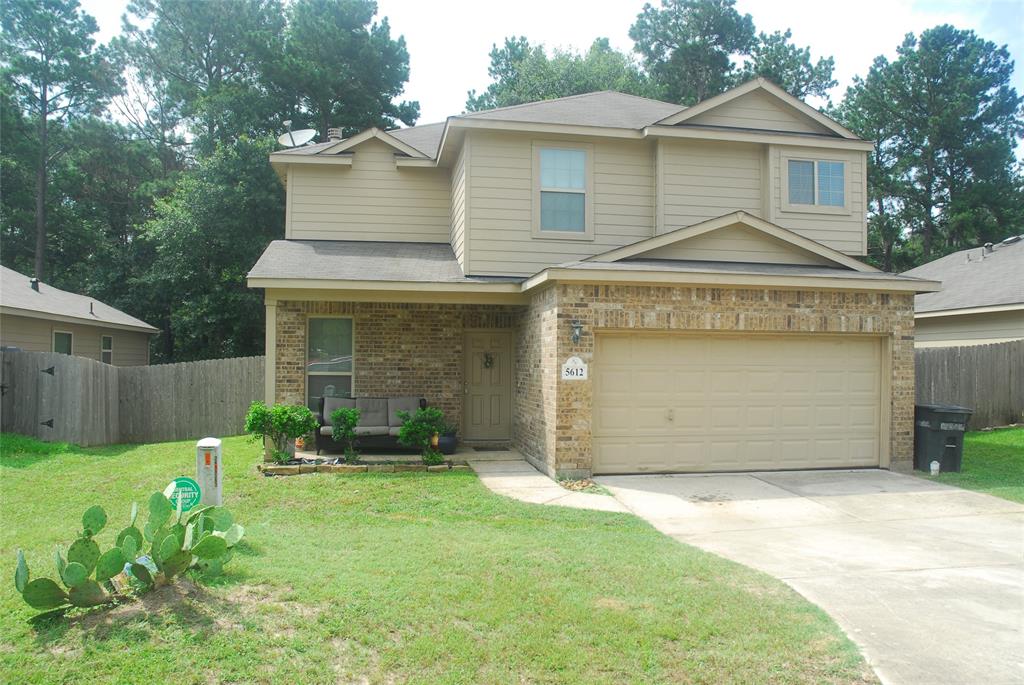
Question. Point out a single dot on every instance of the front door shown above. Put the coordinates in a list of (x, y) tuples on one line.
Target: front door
[(488, 386)]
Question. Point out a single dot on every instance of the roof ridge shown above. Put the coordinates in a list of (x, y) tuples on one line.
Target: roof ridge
[(566, 97)]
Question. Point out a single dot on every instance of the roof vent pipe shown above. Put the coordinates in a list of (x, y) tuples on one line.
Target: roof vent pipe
[(988, 248), (34, 282), (91, 312), (334, 133)]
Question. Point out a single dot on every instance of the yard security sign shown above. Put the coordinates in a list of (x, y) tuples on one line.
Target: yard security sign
[(185, 489)]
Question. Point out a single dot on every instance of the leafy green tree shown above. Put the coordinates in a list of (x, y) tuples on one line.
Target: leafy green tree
[(946, 119), (525, 73), (55, 73), (205, 64), (204, 238), (344, 68), (689, 46), (775, 58)]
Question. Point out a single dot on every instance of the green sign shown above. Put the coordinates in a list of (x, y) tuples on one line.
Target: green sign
[(185, 489)]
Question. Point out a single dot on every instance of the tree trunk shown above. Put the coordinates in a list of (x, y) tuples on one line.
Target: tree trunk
[(41, 178)]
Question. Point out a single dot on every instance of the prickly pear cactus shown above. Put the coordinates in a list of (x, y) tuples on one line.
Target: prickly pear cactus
[(44, 594), (74, 574), (160, 510), (21, 573), (109, 564), (88, 594)]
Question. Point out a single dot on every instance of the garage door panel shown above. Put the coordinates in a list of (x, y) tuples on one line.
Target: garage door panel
[(666, 403)]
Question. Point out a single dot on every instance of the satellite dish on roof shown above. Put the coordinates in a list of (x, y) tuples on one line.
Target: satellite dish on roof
[(296, 138)]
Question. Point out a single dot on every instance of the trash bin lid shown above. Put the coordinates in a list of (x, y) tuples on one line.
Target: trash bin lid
[(945, 407)]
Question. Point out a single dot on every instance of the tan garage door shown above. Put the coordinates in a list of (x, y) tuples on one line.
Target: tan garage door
[(681, 402)]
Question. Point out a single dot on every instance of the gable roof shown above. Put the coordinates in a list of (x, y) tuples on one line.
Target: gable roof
[(766, 86), (371, 133), (19, 299), (606, 108), (973, 278), (783, 235)]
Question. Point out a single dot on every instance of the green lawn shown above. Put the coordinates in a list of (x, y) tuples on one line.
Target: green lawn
[(394, 578), (993, 463)]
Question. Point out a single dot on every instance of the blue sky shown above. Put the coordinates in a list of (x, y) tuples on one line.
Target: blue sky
[(449, 40)]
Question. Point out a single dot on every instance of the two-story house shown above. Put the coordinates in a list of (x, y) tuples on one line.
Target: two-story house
[(610, 284)]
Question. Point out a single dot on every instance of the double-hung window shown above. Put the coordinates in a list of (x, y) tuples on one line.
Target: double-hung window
[(107, 349), (328, 359), (563, 191), (815, 185)]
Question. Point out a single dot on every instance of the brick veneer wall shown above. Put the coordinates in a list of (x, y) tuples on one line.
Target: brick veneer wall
[(566, 447), (399, 348)]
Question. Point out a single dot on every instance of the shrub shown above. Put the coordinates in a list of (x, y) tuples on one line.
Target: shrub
[(343, 430), (418, 429), (432, 457), (279, 423), (203, 538)]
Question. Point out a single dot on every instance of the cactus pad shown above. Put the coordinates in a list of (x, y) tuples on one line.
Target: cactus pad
[(21, 573), (129, 548), (142, 574), (160, 510), (44, 594), (210, 547), (109, 564), (176, 563), (233, 534), (222, 518), (169, 546), (85, 551), (210, 567), (74, 574), (134, 514), (88, 594), (93, 520), (130, 532)]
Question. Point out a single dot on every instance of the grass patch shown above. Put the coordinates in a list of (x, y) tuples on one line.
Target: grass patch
[(405, 577), (993, 463)]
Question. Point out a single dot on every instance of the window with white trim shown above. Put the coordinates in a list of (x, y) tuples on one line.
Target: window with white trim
[(107, 349), (816, 182), (328, 358), (63, 342), (563, 191)]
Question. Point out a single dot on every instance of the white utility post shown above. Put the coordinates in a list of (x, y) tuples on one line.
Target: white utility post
[(209, 471)]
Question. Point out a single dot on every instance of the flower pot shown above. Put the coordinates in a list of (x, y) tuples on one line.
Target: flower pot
[(446, 444), (434, 439)]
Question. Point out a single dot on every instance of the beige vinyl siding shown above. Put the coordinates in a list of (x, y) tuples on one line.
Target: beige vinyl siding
[(758, 110), (704, 180), (736, 244), (458, 208), (131, 348), (371, 200), (501, 204), (969, 329), (846, 232)]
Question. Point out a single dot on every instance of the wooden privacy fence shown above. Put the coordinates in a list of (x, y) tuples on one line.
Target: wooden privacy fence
[(986, 378), (72, 399)]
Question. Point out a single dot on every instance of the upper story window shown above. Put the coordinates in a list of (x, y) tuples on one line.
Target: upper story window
[(815, 185), (563, 191)]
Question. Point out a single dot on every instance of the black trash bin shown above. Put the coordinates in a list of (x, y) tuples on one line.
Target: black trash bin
[(939, 435)]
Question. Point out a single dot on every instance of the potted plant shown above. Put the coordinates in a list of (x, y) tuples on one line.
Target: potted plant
[(419, 431), (447, 441), (278, 426), (343, 430)]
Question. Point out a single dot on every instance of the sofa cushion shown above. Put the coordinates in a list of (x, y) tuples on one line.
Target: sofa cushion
[(397, 404), (373, 411), (371, 430), (332, 403), (327, 430)]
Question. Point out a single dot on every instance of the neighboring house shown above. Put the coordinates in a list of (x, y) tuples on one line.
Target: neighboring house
[(36, 317), (608, 283), (982, 297)]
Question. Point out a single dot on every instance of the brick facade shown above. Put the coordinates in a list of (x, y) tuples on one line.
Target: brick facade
[(410, 349), (566, 448), (398, 348)]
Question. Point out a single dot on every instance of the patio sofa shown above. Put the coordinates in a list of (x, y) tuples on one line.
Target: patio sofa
[(378, 421)]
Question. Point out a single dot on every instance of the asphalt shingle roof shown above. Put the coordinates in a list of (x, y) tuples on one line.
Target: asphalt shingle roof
[(971, 278), (604, 108), (353, 260), (16, 292)]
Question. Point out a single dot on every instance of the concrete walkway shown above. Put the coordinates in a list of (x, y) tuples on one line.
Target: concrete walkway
[(517, 479), (927, 579)]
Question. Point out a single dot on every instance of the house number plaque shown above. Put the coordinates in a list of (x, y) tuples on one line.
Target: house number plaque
[(574, 369)]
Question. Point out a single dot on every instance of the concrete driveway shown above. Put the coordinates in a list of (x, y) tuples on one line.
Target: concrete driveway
[(927, 579)]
